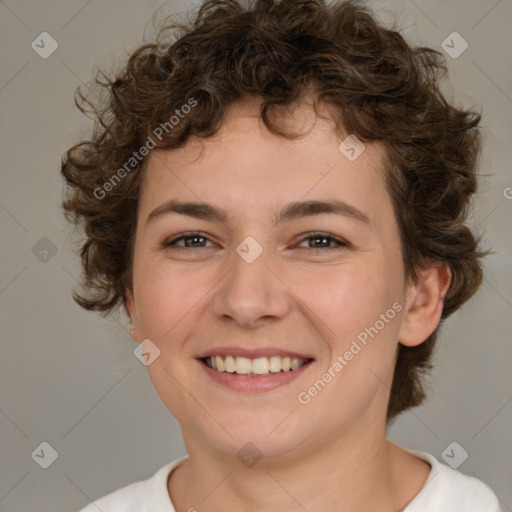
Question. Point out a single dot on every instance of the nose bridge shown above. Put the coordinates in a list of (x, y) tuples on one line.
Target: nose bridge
[(251, 289)]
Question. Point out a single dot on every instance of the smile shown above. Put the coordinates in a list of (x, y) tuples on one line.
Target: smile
[(257, 367)]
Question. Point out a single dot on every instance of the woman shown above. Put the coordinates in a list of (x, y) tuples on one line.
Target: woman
[(278, 201)]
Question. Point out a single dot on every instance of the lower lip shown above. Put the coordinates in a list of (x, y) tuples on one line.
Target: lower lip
[(254, 384)]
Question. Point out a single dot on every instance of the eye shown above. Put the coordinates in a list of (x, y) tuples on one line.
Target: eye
[(192, 240), (319, 241)]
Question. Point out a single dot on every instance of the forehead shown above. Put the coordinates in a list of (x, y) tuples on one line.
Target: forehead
[(246, 168)]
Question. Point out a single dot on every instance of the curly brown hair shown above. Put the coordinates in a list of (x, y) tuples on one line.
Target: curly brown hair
[(279, 51)]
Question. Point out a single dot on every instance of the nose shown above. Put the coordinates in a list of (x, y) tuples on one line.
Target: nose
[(251, 294)]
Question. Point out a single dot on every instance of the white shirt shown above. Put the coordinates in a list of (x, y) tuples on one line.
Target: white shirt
[(446, 490)]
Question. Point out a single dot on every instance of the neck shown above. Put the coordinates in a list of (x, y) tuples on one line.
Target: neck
[(348, 473)]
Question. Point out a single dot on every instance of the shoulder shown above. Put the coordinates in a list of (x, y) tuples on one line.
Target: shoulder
[(451, 491), (143, 496)]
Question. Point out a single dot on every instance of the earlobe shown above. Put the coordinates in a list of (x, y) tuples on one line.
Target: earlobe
[(425, 302)]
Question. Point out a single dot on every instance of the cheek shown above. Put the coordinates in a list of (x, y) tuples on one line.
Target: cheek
[(361, 342), (350, 298), (163, 297)]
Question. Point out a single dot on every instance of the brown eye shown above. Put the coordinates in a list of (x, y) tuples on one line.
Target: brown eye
[(190, 241), (321, 241)]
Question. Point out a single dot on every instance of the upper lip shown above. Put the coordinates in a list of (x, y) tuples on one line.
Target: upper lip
[(253, 353)]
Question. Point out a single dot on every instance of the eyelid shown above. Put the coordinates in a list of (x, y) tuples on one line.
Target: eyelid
[(341, 243), (188, 234)]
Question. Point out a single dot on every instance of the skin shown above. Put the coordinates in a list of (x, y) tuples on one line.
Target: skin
[(331, 454)]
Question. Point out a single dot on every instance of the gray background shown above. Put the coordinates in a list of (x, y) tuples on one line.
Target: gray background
[(69, 378)]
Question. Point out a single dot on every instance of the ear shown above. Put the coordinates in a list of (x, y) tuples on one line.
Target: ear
[(424, 304), (129, 301)]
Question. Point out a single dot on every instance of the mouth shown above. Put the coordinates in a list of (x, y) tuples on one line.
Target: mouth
[(253, 371), (255, 367)]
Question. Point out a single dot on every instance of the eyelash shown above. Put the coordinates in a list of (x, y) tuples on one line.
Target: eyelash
[(316, 234)]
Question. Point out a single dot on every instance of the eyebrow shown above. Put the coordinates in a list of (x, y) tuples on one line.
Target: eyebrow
[(292, 211)]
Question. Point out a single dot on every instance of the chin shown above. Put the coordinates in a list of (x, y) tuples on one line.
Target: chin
[(265, 436)]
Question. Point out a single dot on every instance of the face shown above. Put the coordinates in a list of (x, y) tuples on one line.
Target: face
[(263, 277)]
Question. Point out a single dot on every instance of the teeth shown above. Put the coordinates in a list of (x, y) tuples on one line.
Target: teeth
[(275, 364), (295, 363), (219, 363), (258, 366), (229, 364), (243, 365)]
